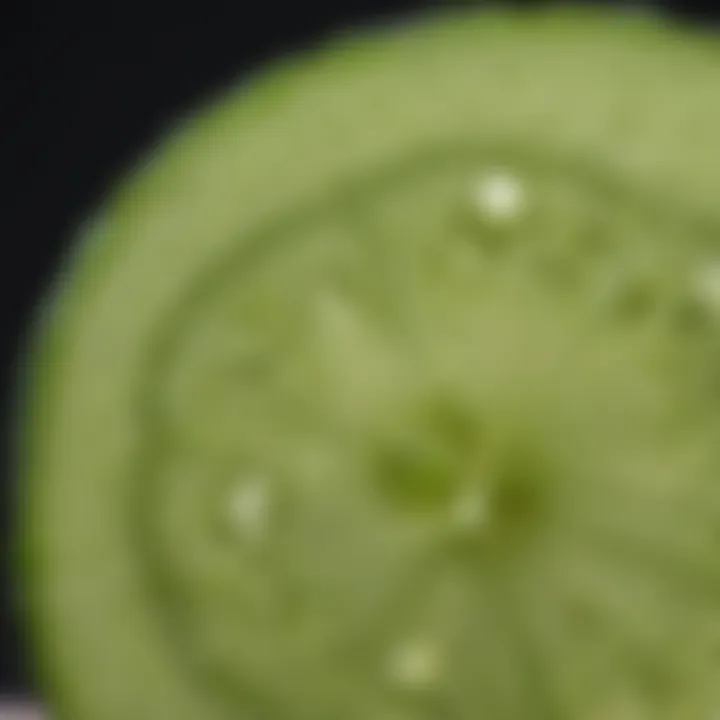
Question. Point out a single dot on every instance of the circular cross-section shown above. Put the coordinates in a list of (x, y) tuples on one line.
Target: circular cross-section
[(389, 390), (463, 403)]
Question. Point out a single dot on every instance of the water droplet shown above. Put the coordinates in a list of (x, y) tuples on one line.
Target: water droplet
[(499, 196)]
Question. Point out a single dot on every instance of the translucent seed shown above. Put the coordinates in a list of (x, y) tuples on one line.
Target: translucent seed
[(624, 707), (341, 326), (335, 312), (250, 507), (415, 665), (469, 511), (706, 287), (499, 196)]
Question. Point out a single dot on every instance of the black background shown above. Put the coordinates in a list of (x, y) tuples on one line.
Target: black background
[(83, 91)]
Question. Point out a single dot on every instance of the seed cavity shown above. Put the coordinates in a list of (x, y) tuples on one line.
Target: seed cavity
[(499, 196)]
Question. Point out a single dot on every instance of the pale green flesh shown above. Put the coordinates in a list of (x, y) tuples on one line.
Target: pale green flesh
[(495, 441)]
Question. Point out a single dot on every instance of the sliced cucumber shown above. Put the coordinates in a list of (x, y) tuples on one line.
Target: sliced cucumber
[(388, 389)]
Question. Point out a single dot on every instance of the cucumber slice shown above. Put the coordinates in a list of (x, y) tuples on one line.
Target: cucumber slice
[(388, 389)]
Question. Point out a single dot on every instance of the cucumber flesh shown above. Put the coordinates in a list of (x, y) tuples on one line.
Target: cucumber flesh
[(388, 389)]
